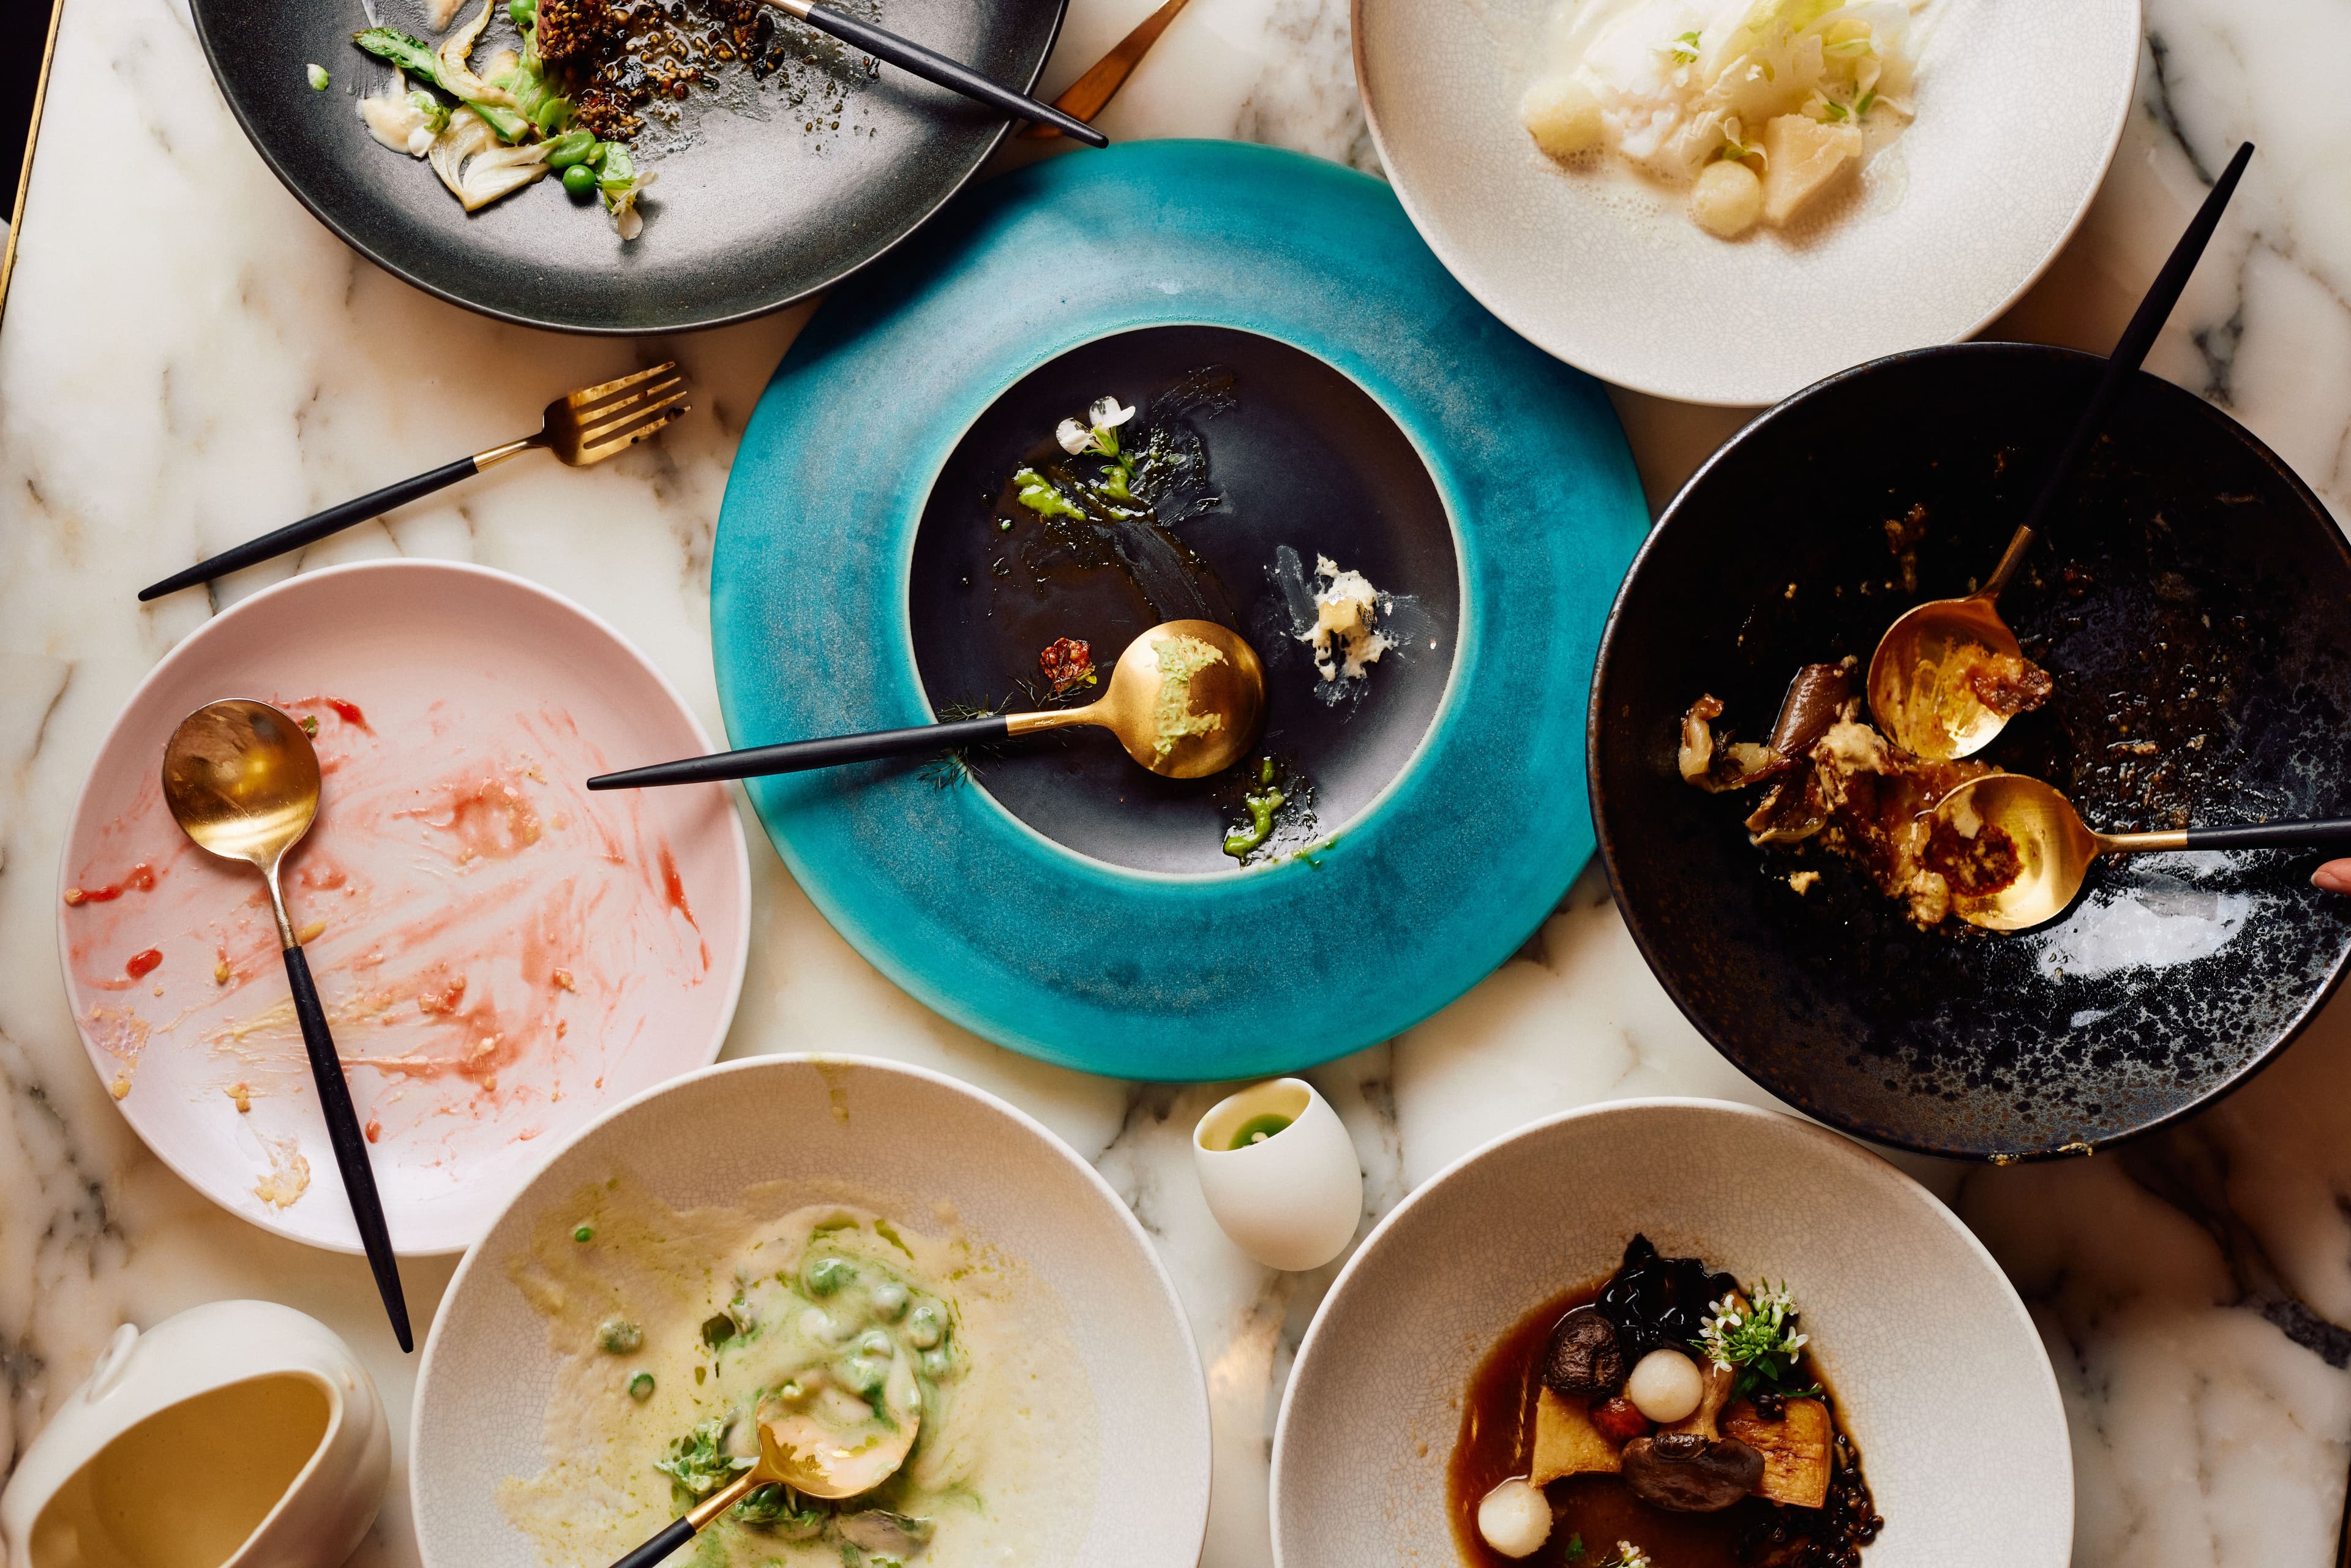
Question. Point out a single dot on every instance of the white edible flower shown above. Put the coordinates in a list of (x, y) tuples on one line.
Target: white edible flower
[(1106, 414)]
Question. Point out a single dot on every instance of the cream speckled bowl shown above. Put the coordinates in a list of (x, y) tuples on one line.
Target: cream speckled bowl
[(2020, 102), (910, 1138), (1942, 1378)]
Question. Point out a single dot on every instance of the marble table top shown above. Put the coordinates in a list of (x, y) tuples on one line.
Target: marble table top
[(187, 359)]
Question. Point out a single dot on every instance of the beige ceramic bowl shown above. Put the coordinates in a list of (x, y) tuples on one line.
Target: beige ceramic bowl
[(2018, 109), (1943, 1380), (910, 1138)]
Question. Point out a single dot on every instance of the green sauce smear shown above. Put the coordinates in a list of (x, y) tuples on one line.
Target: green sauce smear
[(1172, 718)]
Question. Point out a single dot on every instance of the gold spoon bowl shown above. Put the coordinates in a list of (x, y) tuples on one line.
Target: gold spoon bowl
[(1186, 700), (799, 1452), (2037, 850), (1919, 687)]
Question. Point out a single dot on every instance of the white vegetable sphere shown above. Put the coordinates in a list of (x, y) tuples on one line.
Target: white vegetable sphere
[(1514, 1518), (1728, 198), (1665, 1387), (1563, 116)]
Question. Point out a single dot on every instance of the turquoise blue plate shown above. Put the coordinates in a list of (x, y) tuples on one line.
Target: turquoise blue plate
[(1129, 973)]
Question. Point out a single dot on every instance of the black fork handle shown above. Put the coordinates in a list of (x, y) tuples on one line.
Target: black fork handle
[(314, 528), (953, 75), (800, 756), (349, 1143)]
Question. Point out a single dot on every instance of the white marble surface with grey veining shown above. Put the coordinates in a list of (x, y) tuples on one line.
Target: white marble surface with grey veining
[(187, 359)]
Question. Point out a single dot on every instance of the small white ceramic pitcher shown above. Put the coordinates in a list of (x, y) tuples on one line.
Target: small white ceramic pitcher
[(237, 1435)]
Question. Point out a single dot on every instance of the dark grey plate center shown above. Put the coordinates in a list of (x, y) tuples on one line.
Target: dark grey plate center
[(1279, 453)]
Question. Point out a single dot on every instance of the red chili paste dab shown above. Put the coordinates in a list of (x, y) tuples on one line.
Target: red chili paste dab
[(139, 878)]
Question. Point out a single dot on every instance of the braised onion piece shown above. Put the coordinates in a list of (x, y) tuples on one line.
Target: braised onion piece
[(458, 77), (477, 167)]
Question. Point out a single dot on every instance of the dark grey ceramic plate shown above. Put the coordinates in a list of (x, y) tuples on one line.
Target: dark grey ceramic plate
[(1291, 453), (2190, 606), (756, 213)]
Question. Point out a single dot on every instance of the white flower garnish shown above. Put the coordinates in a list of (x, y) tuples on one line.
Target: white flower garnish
[(1106, 414)]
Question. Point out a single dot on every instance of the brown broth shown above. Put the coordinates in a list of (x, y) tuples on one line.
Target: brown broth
[(1496, 1440)]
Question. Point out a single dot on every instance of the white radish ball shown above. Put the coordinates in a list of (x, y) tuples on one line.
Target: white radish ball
[(1514, 1518), (1665, 1387), (1727, 200), (1563, 116)]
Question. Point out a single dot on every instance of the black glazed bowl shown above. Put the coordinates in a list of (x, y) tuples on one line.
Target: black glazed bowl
[(2190, 603), (771, 201)]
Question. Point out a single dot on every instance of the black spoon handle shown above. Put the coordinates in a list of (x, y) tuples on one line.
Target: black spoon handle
[(2330, 833), (350, 1145), (953, 75), (800, 756), (2131, 347), (316, 527), (676, 1535)]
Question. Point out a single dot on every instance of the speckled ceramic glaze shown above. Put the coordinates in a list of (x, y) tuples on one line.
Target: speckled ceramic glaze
[(756, 205), (1125, 972), (1942, 1380), (2018, 109), (905, 1139), (2189, 605)]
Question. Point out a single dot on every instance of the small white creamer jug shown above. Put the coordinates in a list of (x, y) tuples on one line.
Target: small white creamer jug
[(237, 1435)]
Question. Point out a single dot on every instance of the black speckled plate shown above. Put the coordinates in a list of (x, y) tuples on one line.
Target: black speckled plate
[(2191, 607), (770, 204)]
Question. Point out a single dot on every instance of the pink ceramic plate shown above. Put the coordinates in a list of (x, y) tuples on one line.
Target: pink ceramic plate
[(502, 954)]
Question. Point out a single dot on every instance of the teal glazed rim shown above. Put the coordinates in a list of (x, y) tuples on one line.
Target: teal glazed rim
[(978, 917)]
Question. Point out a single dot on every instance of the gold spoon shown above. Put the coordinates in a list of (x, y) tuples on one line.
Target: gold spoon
[(2051, 850), (1091, 92), (796, 1451), (1919, 691), (242, 781), (1184, 699)]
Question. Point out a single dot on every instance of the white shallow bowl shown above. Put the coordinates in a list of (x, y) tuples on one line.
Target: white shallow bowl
[(1940, 1377), (911, 1138), (2021, 103), (641, 900)]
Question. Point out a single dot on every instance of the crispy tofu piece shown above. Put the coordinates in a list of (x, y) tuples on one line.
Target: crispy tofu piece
[(1567, 1443), (1800, 156), (1796, 1450), (1716, 1394)]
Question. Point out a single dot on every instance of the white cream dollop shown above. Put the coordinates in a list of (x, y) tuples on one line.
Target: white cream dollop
[(1346, 636)]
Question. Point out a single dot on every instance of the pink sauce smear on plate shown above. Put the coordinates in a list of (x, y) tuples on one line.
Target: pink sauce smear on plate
[(487, 936)]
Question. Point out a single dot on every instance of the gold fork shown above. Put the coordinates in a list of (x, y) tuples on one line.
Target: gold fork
[(586, 427), (1087, 95)]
